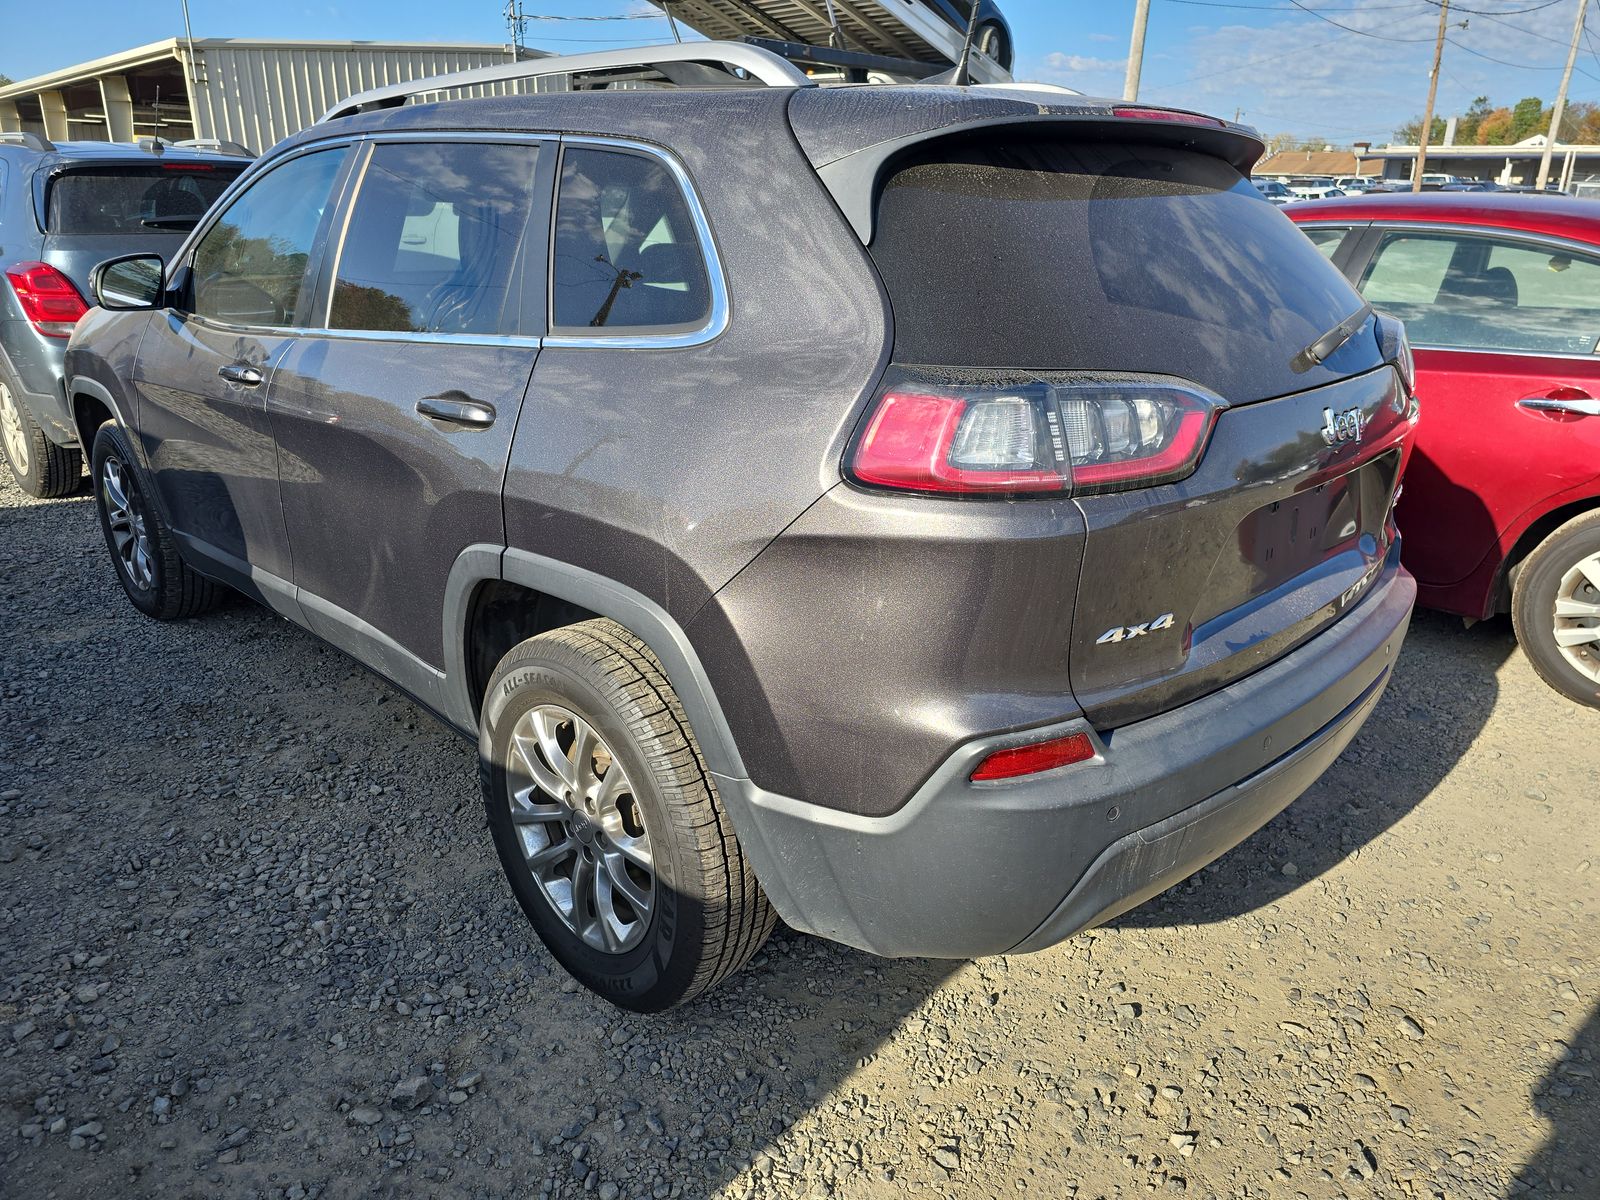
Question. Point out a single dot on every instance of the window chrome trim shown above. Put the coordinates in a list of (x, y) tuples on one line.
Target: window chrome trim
[(401, 335), (716, 320), (1495, 232)]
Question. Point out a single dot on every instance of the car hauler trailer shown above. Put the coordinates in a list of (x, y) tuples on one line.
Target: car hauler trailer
[(884, 40)]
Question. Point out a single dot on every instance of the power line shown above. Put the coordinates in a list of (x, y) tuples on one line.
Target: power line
[(1382, 37)]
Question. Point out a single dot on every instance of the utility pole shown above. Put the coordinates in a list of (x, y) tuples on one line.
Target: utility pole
[(1141, 21), (1561, 97), (1433, 91)]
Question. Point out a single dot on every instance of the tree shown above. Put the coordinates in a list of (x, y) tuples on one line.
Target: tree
[(1469, 121), (1580, 122), (1528, 118), (6, 81), (1411, 132), (1495, 129)]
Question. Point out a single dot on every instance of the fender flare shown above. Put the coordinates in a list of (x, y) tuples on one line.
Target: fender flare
[(93, 387), (631, 609)]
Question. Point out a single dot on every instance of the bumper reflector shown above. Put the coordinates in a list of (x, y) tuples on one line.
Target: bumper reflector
[(1040, 756)]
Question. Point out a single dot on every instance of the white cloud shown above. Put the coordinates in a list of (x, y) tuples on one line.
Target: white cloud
[(1080, 63)]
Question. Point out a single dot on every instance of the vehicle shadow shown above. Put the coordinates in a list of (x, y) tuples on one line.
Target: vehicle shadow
[(1569, 1099), (1426, 721)]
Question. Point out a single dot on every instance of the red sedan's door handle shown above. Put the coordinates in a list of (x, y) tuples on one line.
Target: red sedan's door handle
[(1563, 402)]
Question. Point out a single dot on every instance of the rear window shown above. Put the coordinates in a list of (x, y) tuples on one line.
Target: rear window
[(1106, 256), (169, 197)]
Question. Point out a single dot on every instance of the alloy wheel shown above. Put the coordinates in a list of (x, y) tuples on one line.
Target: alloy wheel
[(1577, 616), (581, 829), (11, 430), (125, 518)]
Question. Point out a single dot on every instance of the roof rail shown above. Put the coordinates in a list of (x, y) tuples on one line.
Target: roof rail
[(761, 65), (215, 145), (31, 140)]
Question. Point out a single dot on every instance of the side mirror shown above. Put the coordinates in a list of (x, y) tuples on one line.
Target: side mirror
[(127, 283)]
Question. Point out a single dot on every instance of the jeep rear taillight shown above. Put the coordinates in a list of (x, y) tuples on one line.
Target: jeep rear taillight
[(49, 301), (1033, 437)]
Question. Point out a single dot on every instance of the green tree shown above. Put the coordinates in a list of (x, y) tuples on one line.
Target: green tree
[(1411, 132), (1528, 118), (6, 81)]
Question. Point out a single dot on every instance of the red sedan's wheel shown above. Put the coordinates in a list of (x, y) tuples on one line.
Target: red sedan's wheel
[(1555, 607)]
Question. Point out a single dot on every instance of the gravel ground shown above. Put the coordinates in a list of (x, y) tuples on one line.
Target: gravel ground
[(254, 942)]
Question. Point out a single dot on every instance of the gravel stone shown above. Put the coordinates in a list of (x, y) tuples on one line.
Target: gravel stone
[(275, 1006)]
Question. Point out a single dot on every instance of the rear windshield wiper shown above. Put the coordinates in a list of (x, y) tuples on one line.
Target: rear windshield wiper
[(1322, 349), (170, 222)]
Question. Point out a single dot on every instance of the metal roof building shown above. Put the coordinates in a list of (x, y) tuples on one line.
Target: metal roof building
[(252, 92)]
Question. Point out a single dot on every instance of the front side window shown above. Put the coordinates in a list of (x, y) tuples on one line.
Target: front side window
[(626, 253), (251, 267), (439, 242), (1471, 292)]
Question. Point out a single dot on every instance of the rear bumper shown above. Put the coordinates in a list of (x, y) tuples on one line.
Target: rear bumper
[(964, 869), (36, 364)]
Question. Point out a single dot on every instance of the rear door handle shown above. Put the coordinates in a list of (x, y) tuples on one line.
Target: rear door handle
[(473, 413), (245, 376), (1564, 401)]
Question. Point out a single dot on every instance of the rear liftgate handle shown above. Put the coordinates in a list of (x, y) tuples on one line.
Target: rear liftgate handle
[(1563, 402), (454, 408)]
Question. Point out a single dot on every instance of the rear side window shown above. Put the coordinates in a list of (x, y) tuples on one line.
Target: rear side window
[(626, 256), (1327, 241), (439, 242), (1104, 256), (1471, 292), (171, 197)]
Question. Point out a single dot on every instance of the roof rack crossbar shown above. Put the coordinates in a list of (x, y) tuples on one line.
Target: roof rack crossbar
[(216, 145), (31, 140), (761, 65)]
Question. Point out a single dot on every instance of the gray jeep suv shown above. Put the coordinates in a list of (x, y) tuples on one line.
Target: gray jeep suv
[(942, 517), (65, 206)]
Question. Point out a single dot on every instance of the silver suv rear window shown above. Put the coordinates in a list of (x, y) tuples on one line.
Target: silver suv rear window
[(170, 197)]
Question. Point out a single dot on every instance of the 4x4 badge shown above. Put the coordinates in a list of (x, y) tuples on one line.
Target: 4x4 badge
[(1341, 427), (1122, 633)]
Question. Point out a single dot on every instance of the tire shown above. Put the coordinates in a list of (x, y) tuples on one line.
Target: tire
[(991, 39), (698, 914), (41, 468), (1556, 599), (143, 552)]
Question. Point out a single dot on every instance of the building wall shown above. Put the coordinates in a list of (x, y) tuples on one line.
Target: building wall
[(260, 94)]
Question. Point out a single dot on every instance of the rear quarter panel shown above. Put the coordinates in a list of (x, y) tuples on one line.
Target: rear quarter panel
[(669, 469)]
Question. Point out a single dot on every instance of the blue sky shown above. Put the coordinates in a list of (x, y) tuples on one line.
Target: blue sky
[(1354, 69)]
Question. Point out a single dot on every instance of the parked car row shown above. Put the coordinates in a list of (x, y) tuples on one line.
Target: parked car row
[(946, 633)]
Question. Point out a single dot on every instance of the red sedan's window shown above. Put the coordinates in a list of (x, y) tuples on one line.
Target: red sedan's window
[(1326, 240), (1471, 292)]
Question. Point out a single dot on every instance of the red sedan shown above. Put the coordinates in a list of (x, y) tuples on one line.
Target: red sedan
[(1500, 294)]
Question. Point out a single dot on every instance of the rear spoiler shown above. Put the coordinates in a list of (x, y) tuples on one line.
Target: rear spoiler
[(855, 178)]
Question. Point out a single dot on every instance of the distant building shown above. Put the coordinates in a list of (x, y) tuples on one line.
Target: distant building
[(1315, 164), (252, 92), (1571, 165)]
